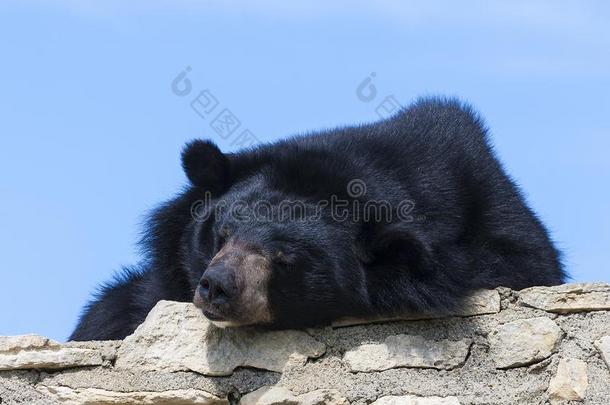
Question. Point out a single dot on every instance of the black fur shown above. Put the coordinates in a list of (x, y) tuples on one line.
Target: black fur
[(206, 166), (470, 226)]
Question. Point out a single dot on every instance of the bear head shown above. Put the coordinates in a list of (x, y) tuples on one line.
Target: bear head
[(258, 253)]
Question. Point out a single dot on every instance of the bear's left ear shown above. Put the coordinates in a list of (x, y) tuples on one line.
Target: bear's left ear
[(206, 166)]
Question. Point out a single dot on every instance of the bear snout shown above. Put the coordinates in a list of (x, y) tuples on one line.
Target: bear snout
[(234, 286), (217, 285)]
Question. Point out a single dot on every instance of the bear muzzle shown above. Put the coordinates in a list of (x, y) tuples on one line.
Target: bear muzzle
[(233, 288)]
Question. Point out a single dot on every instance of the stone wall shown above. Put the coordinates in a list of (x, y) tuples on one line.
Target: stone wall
[(536, 346)]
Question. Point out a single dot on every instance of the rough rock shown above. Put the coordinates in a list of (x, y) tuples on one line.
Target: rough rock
[(570, 383), (466, 371), (176, 337), (18, 387), (480, 303), (408, 351), (278, 395), (96, 396), (33, 351), (107, 348), (603, 345), (524, 342), (413, 400), (568, 298), (14, 344)]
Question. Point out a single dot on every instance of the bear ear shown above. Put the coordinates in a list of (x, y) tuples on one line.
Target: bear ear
[(206, 166), (396, 244)]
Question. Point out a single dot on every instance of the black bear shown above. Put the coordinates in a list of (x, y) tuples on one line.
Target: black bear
[(408, 214)]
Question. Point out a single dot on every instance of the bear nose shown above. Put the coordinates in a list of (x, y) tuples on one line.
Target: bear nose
[(217, 285)]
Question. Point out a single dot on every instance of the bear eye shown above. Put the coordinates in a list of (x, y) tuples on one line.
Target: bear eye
[(223, 234), (280, 256), (224, 231)]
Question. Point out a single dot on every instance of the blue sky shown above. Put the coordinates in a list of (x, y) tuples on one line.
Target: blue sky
[(90, 130)]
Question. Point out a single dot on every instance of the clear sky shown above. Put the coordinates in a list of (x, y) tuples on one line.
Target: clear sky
[(90, 130)]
